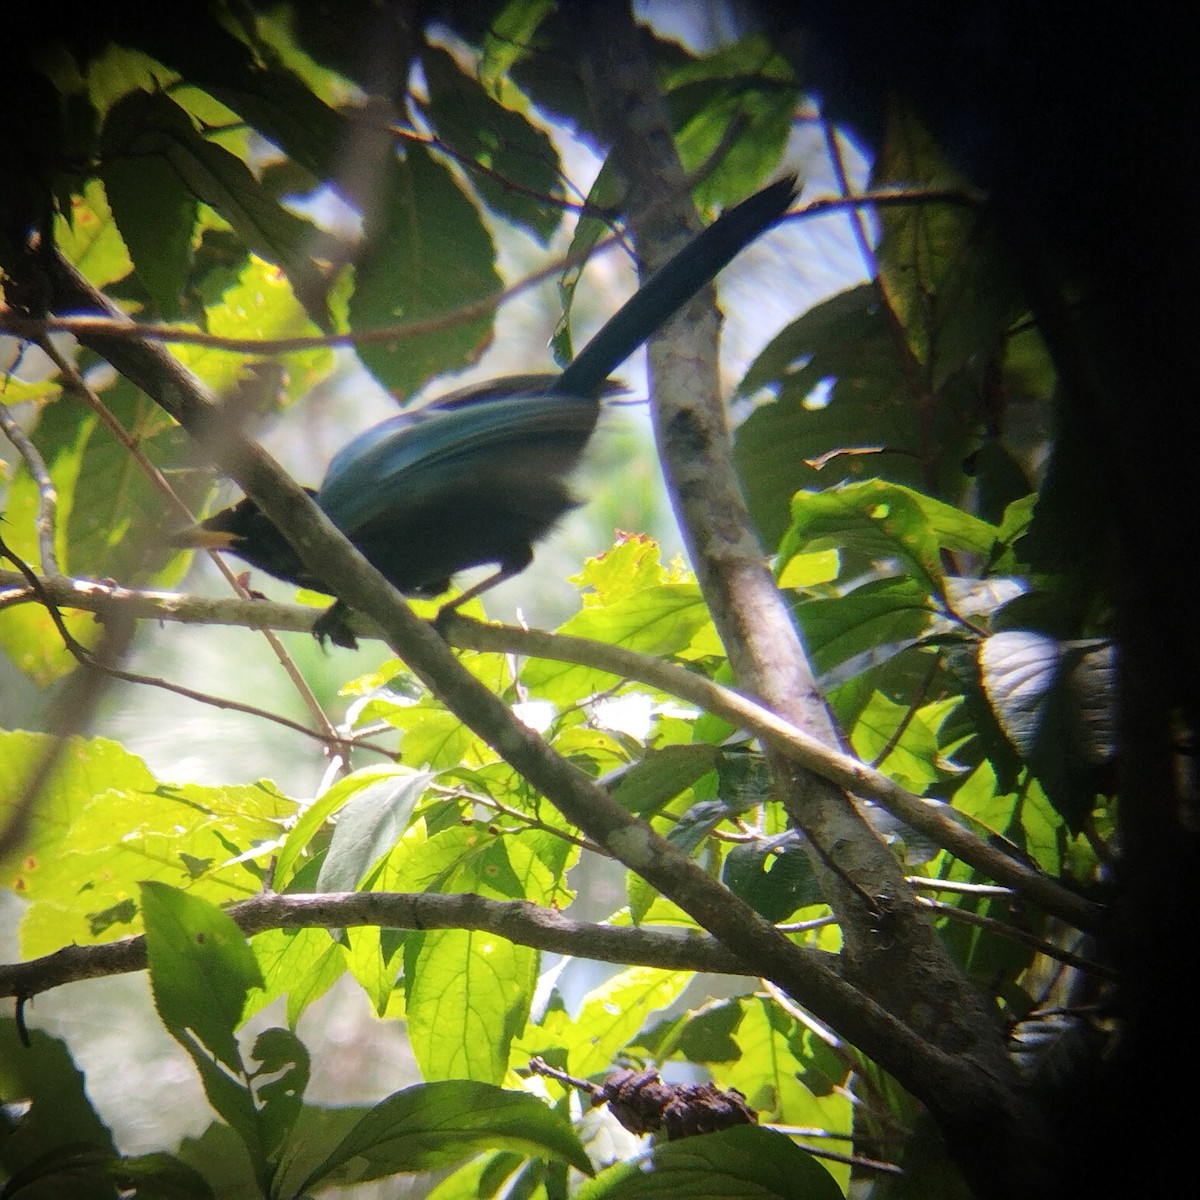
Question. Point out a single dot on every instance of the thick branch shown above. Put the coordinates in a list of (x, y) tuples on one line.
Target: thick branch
[(519, 921), (909, 971)]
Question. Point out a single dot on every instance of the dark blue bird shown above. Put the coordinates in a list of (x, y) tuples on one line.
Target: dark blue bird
[(480, 475)]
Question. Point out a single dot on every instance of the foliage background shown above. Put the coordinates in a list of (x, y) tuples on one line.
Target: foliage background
[(895, 451)]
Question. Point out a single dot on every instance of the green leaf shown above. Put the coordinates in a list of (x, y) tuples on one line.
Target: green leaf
[(775, 879), (844, 409), (279, 1083), (201, 968), (712, 97), (770, 1069), (89, 238), (520, 160), (1022, 815), (743, 1162), (431, 736), (258, 301), (885, 521), (370, 780), (663, 619), (882, 612), (468, 992), (301, 963), (154, 211), (220, 1155), (610, 1016), (662, 775), (508, 37), (24, 391), (429, 255), (606, 194), (203, 839), (117, 520), (368, 825), (946, 276), (370, 956), (1054, 701), (910, 737), (159, 1176), (439, 1124), (38, 1071), (28, 635), (212, 175)]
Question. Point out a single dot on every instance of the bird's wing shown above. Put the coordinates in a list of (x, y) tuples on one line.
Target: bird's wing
[(404, 462)]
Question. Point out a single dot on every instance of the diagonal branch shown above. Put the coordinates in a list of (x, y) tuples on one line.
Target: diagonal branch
[(47, 495), (764, 950), (75, 383), (910, 970)]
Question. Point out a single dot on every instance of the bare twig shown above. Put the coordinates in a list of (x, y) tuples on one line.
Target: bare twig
[(47, 495), (86, 658), (954, 913), (77, 385), (127, 330)]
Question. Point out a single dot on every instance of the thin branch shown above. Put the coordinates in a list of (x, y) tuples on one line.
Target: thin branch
[(90, 661), (858, 225), (84, 327), (523, 819), (474, 167), (928, 816), (47, 495), (909, 715), (922, 883), (77, 385), (1019, 935)]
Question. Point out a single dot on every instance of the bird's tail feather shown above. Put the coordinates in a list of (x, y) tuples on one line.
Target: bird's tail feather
[(673, 285)]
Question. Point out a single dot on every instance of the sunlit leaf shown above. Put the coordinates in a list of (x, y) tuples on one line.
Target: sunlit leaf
[(501, 140), (83, 881), (746, 1162), (428, 255), (368, 825), (90, 240), (438, 1124), (200, 969), (1054, 700)]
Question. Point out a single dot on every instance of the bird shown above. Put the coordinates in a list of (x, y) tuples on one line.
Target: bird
[(480, 475)]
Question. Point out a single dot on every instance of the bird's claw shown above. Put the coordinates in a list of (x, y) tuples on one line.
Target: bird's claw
[(332, 625)]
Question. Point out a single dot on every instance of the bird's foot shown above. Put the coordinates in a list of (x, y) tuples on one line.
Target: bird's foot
[(444, 621), (332, 624)]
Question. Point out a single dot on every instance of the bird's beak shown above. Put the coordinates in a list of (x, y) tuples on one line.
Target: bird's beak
[(197, 537)]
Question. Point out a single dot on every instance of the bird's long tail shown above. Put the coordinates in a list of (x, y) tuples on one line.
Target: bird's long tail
[(672, 285)]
